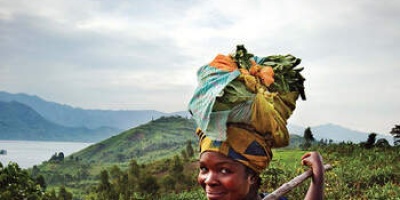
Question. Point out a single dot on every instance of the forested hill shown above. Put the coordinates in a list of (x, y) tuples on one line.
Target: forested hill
[(157, 139), (20, 122)]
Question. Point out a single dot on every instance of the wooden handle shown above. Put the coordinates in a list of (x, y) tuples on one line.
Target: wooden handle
[(285, 188)]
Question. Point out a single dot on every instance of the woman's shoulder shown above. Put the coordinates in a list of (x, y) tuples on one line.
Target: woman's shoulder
[(263, 195)]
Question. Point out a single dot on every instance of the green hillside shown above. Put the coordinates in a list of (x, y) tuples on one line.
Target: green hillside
[(155, 140)]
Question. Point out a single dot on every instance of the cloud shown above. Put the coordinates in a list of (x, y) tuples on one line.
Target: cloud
[(145, 54)]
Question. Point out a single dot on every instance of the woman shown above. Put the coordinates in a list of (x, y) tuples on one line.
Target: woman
[(241, 107), (224, 178)]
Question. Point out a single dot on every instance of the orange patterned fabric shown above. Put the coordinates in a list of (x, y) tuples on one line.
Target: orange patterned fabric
[(223, 62)]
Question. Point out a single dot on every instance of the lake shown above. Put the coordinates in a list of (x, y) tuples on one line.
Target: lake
[(30, 153)]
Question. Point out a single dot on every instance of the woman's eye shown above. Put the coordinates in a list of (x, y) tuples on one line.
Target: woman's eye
[(225, 171), (203, 169)]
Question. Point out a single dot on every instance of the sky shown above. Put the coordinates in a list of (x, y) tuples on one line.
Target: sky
[(136, 55)]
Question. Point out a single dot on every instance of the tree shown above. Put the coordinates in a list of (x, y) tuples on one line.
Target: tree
[(41, 181), (370, 141), (16, 183), (61, 156), (308, 138), (104, 189), (133, 176), (168, 183), (176, 171), (51, 195), (124, 189), (148, 184), (177, 166), (383, 143), (57, 157), (184, 155), (396, 135), (63, 194), (134, 168), (189, 149), (104, 184), (35, 171), (308, 135), (115, 173)]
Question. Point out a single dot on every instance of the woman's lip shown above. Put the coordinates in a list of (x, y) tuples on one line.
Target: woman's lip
[(215, 194)]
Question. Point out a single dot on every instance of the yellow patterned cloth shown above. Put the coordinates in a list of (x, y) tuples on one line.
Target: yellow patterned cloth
[(237, 115)]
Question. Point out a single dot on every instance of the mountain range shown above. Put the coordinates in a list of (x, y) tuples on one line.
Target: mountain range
[(77, 117), (337, 133), (27, 117), (20, 122)]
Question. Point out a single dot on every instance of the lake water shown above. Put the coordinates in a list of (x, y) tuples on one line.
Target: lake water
[(29, 153)]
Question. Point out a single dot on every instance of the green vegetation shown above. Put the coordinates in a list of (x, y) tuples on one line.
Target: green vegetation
[(151, 168), (17, 183), (358, 173), (157, 139)]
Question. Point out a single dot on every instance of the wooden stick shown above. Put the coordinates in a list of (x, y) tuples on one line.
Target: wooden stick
[(285, 188)]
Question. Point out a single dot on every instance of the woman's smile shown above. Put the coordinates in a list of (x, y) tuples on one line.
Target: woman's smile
[(215, 194), (222, 178)]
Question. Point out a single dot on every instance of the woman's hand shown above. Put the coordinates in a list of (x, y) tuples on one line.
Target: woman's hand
[(314, 161)]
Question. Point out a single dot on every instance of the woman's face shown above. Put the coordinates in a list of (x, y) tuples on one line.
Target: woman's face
[(222, 177)]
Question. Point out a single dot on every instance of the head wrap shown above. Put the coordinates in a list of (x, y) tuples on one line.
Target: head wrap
[(241, 111)]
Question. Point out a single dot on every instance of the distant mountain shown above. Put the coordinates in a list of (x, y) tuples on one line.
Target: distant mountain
[(337, 133), (77, 117), (295, 129), (20, 122), (340, 134)]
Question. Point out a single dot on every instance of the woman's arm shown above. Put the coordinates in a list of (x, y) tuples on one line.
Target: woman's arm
[(316, 189)]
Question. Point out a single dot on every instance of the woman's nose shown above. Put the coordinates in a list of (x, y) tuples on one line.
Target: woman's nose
[(211, 178)]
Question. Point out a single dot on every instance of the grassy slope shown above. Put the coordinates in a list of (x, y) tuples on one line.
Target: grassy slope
[(155, 140)]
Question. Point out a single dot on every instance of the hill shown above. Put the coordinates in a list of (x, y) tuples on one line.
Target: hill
[(20, 122), (76, 117), (157, 139)]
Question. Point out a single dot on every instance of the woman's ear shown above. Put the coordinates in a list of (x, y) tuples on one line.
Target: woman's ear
[(252, 179)]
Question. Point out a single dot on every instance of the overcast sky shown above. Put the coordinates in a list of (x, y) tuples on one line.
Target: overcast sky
[(134, 55)]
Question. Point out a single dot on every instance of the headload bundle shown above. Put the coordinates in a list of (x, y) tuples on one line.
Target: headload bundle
[(242, 104)]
